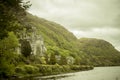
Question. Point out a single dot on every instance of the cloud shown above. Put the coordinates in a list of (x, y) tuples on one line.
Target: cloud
[(76, 13), (85, 18)]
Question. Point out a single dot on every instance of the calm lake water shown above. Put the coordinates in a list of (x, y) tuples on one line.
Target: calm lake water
[(98, 73)]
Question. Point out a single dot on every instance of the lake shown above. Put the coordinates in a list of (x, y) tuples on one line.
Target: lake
[(98, 73)]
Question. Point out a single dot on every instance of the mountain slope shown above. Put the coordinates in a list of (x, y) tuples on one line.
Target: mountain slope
[(62, 42), (50, 28), (55, 36), (100, 52)]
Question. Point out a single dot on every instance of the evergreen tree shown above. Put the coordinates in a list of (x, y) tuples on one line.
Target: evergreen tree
[(26, 48)]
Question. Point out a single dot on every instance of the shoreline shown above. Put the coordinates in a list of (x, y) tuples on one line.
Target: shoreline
[(63, 71), (49, 76)]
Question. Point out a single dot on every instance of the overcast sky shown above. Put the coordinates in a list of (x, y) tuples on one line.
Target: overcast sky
[(84, 18)]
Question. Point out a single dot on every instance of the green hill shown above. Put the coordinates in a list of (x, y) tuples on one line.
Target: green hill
[(62, 42), (55, 35), (85, 51), (99, 52)]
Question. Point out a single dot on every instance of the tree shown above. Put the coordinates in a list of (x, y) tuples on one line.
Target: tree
[(26, 48), (53, 59), (7, 51), (64, 55), (77, 60), (63, 60), (11, 11)]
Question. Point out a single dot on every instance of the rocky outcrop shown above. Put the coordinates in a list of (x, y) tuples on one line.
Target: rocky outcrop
[(36, 42)]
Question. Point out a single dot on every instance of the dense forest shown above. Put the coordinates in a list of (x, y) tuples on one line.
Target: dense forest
[(30, 45)]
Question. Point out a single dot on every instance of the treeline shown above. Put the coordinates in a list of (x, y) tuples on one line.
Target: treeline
[(42, 70), (12, 12)]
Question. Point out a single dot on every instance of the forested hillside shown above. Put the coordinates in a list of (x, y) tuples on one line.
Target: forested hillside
[(60, 42), (53, 33), (30, 45), (99, 52)]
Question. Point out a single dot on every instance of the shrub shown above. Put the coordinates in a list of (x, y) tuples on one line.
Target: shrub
[(44, 69), (80, 67), (31, 69), (52, 69), (20, 69), (26, 69), (66, 68)]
